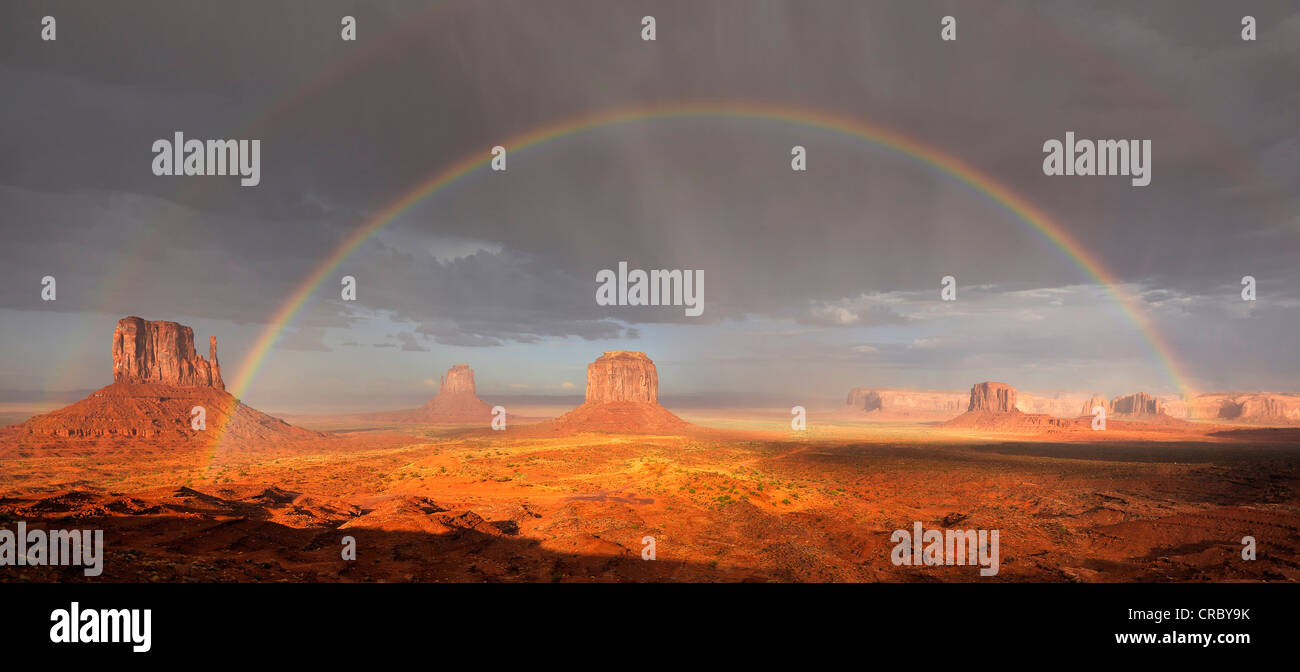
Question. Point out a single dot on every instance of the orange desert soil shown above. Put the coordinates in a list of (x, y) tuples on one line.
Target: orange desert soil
[(745, 499)]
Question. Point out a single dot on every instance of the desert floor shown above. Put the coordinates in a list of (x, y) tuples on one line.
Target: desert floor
[(744, 499)]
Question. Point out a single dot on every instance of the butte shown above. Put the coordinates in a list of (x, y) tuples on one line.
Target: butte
[(456, 402), (158, 379), (622, 398)]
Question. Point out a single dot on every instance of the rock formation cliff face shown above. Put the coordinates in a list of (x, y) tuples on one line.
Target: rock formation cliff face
[(622, 397), (158, 380), (1139, 403), (885, 404), (1257, 408), (994, 397), (457, 400), (863, 398), (162, 353), (927, 401), (1056, 405), (1267, 407), (459, 379), (993, 407), (622, 375), (1093, 403), (895, 405)]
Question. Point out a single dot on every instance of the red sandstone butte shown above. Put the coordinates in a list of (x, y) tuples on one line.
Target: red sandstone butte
[(457, 400), (1138, 403), (158, 379), (994, 397), (622, 397), (1094, 402), (622, 375), (459, 379), (992, 407), (162, 353)]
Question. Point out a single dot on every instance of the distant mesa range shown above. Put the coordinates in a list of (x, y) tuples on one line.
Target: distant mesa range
[(1256, 408), (157, 379)]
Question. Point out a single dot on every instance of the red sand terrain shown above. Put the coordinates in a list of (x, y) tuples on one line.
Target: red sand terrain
[(725, 495), (439, 505)]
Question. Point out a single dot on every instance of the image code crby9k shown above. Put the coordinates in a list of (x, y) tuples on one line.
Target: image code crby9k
[(648, 291)]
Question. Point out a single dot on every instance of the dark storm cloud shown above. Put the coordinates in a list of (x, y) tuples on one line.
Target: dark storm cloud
[(348, 127)]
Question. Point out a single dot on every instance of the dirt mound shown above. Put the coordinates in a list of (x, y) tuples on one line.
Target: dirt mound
[(154, 411), (618, 417)]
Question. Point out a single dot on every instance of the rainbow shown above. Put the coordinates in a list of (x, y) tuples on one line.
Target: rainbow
[(1038, 220)]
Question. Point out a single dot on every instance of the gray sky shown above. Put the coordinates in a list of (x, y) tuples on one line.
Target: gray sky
[(815, 281)]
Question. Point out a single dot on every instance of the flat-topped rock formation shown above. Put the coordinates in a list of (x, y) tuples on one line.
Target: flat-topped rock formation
[(1056, 405), (992, 407), (622, 375), (457, 402), (1138, 403), (622, 397), (936, 405), (992, 397), (893, 403), (158, 380), (1253, 408), (459, 380), (1094, 402), (162, 352)]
